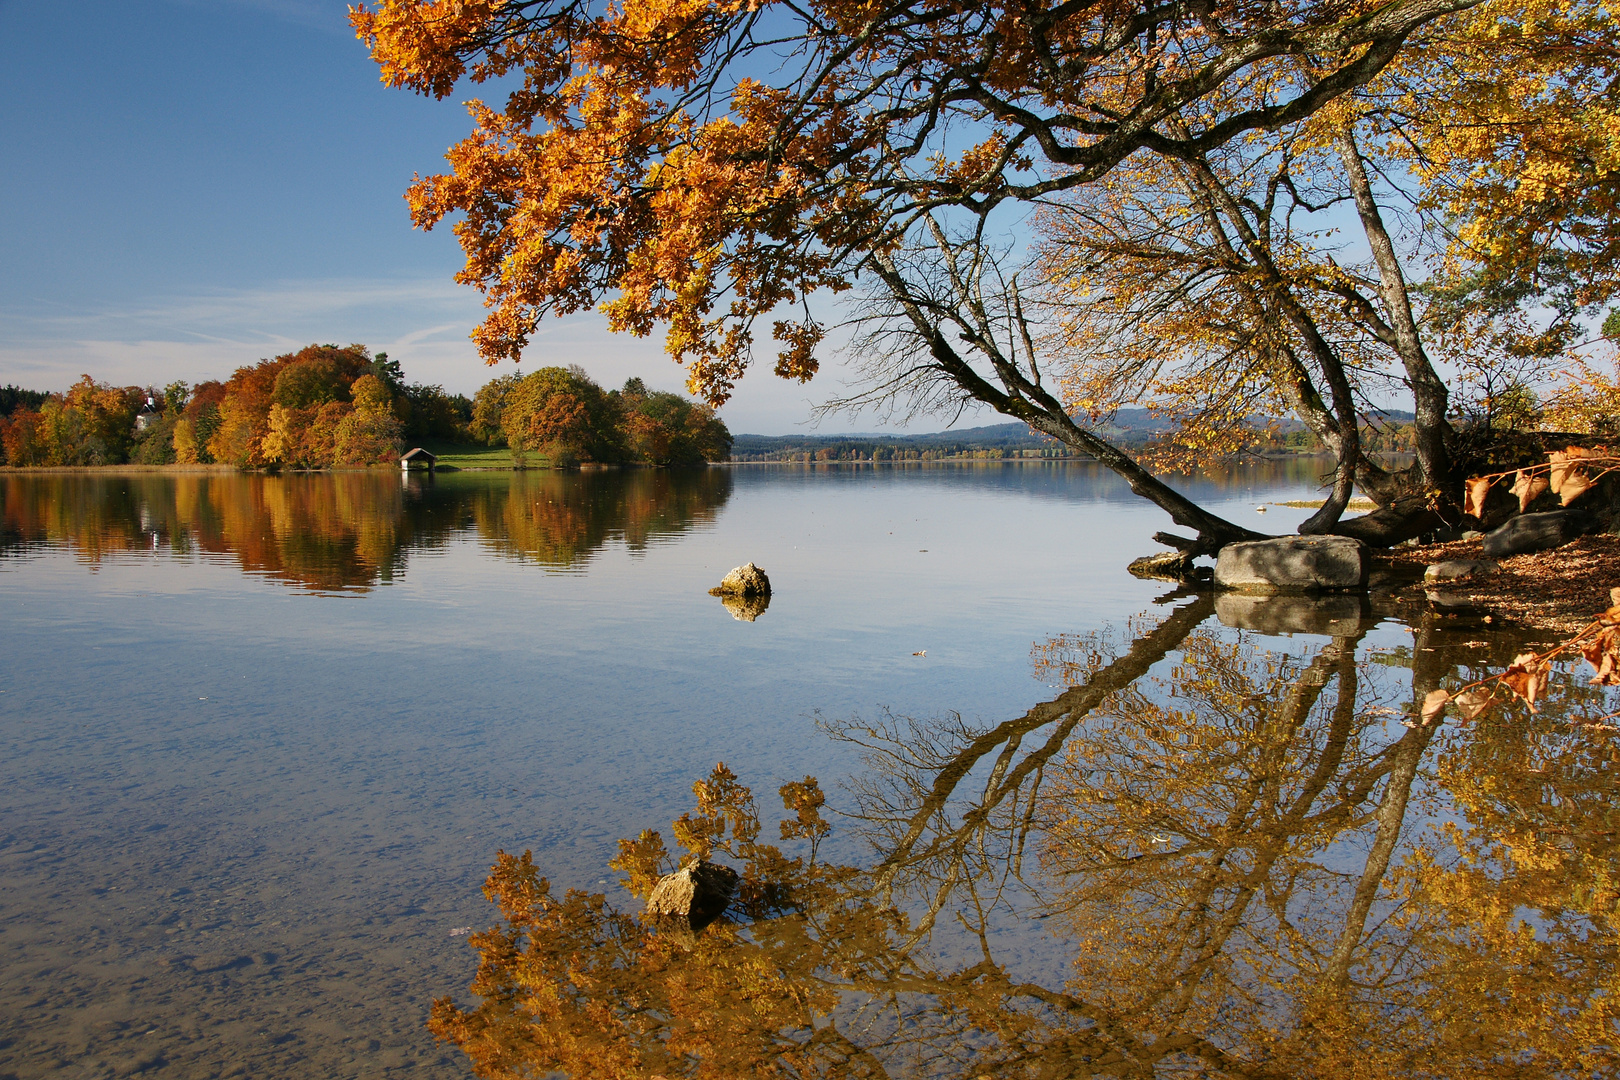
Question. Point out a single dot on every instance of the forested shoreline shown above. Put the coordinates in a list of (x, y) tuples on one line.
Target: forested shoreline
[(327, 406)]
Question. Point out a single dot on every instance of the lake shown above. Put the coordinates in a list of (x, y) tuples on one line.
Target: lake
[(264, 736)]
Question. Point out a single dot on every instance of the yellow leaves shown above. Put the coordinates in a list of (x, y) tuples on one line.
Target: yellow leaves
[(798, 360), (1516, 135), (805, 800), (1474, 494), (724, 804)]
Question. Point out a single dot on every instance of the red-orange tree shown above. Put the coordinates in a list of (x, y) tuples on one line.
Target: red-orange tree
[(706, 164)]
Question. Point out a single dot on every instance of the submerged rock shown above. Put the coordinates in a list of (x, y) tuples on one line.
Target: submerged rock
[(745, 580), (1293, 564)]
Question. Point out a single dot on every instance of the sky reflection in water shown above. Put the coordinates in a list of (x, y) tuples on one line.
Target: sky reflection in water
[(264, 735)]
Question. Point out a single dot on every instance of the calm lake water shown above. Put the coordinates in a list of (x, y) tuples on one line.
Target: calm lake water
[(263, 737)]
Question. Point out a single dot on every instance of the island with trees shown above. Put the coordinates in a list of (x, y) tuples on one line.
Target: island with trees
[(326, 407)]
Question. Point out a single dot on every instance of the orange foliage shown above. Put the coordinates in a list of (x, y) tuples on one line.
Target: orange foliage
[(644, 165)]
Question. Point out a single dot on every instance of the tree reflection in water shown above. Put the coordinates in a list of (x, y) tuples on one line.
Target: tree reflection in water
[(1261, 864), (351, 531)]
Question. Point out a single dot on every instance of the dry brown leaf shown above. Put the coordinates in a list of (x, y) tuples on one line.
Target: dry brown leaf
[(1560, 470), (1470, 703), (1576, 484), (1527, 486), (1526, 677), (1603, 653), (1433, 705), (1474, 494)]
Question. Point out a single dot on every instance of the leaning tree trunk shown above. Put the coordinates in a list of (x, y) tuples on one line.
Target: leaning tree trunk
[(1024, 398), (1040, 410)]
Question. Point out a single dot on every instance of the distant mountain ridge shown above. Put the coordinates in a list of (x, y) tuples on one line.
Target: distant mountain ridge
[(1128, 428)]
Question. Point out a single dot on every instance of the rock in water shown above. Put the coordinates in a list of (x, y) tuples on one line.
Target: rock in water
[(745, 580), (699, 890), (1536, 532), (1292, 564)]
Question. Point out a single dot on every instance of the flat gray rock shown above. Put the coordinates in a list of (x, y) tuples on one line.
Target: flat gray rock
[(1460, 570), (1536, 532), (1293, 564)]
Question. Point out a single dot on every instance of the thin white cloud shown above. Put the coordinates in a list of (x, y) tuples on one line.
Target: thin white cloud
[(423, 323)]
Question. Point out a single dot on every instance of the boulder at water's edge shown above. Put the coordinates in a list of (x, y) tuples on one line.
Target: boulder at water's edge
[(699, 890), (1293, 564), (1536, 532)]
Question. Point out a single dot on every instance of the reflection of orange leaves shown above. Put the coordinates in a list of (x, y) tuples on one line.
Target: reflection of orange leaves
[(806, 800), (643, 860)]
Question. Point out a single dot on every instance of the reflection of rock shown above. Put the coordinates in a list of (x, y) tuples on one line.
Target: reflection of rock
[(1335, 615), (1165, 566), (746, 608), (1459, 570), (1293, 564), (1536, 532), (745, 580), (1451, 604), (696, 893)]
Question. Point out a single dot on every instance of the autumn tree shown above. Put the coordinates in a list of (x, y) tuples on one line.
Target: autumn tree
[(706, 167), (667, 429), (564, 414), (91, 424), (321, 406)]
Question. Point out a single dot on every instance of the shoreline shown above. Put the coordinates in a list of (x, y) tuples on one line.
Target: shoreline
[(21, 470), (1559, 590)]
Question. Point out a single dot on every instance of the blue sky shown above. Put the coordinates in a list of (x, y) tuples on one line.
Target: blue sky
[(191, 185)]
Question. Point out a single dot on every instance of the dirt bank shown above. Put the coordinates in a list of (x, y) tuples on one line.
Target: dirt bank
[(1558, 590)]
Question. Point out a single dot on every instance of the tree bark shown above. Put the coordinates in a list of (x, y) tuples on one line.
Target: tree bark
[(1429, 395)]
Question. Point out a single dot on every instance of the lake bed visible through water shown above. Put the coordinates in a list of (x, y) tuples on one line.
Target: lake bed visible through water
[(263, 736)]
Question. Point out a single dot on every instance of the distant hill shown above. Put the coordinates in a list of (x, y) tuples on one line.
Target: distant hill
[(1129, 428)]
